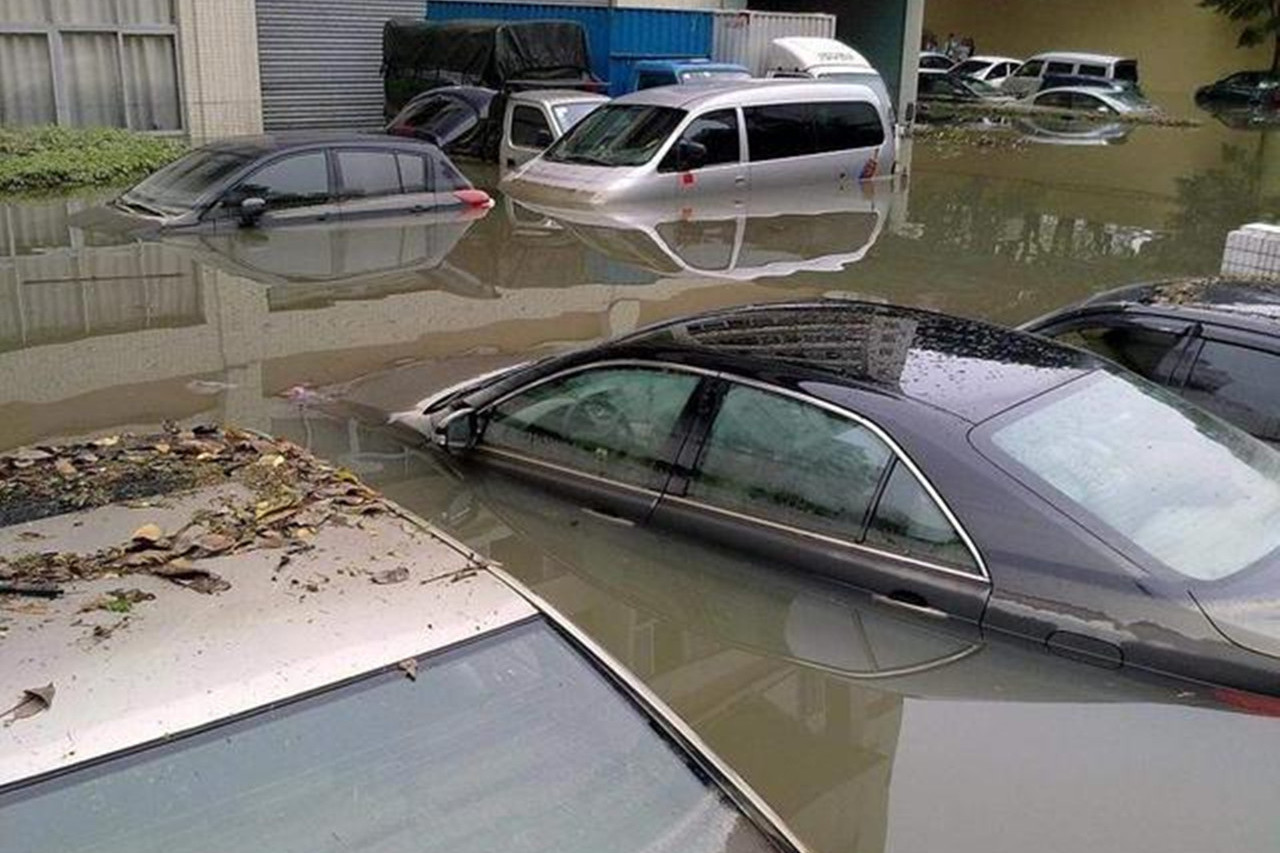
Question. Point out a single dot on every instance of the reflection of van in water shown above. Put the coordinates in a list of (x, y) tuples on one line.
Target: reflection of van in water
[(1027, 79), (678, 142), (805, 228)]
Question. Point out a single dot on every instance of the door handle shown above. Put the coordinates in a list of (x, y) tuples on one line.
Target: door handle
[(609, 517), (740, 180), (908, 606)]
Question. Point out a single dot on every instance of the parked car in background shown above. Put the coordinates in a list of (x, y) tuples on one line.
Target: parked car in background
[(1026, 79), (452, 712), (418, 55), (456, 118), (1214, 341), (947, 467), (808, 57), (933, 60), (944, 95), (678, 142), (1244, 88), (292, 179), (649, 73), (1094, 101), (989, 69), (535, 119)]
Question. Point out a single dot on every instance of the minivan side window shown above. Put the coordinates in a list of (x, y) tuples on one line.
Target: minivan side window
[(716, 131), (1126, 70), (1058, 68), (1031, 69), (790, 462), (529, 128), (290, 181), (1093, 70), (841, 125), (1238, 384), (778, 130)]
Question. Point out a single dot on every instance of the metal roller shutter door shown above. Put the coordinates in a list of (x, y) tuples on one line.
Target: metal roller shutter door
[(320, 61)]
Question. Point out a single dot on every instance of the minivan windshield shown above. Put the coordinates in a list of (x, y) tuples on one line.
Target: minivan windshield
[(179, 185), (1189, 490), (514, 742), (617, 135)]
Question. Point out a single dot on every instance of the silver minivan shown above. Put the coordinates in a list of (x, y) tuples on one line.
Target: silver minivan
[(677, 142), (1028, 79)]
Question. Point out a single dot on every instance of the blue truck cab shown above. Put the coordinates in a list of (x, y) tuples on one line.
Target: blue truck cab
[(648, 73)]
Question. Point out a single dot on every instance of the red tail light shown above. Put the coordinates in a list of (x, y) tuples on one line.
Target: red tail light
[(1251, 703), (473, 198)]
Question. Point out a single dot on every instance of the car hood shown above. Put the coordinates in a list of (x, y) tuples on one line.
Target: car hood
[(1246, 611)]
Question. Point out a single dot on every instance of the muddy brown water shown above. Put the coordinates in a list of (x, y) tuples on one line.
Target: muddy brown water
[(866, 733)]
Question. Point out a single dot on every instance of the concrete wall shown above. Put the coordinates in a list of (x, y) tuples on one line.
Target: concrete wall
[(218, 49), (1179, 45)]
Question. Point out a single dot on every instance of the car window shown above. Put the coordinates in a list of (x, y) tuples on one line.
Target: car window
[(368, 173), (1126, 70), (649, 79), (1030, 69), (447, 177), (790, 462), (514, 742), (716, 131), (181, 184), (841, 125), (610, 422), (1092, 70), (778, 130), (703, 244), (908, 520), (437, 115), (1058, 68), (971, 66), (567, 115), (1090, 104), (1152, 353), (415, 173), (1187, 489), (1240, 384), (290, 182), (529, 127), (1057, 100), (617, 135), (933, 84)]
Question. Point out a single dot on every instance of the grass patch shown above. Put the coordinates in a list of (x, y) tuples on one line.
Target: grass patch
[(40, 159)]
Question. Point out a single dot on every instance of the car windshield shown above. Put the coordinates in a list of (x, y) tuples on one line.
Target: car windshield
[(568, 115), (617, 135), (1189, 490), (514, 742), (978, 87), (180, 184)]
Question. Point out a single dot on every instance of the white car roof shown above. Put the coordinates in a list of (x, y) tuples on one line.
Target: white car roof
[(813, 52), (185, 659), (1106, 96), (1071, 56), (554, 97), (990, 60), (730, 93)]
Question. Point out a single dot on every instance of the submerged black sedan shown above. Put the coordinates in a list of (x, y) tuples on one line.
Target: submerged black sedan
[(951, 468)]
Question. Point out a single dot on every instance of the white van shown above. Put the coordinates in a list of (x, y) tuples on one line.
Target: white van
[(1028, 78), (730, 138)]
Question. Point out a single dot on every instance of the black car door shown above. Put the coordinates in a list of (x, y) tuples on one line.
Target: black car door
[(604, 435), (813, 487)]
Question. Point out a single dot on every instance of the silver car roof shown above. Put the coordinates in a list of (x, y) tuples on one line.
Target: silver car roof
[(553, 97), (1074, 56), (733, 93)]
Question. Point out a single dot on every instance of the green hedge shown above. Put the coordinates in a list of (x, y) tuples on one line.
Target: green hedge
[(34, 159)]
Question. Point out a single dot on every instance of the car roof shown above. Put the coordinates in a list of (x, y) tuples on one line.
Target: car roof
[(810, 50), (729, 93), (968, 368), (991, 60), (256, 146), (551, 97), (180, 660), (1076, 56), (1244, 303)]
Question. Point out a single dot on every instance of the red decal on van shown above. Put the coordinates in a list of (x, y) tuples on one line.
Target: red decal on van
[(687, 179), (870, 169)]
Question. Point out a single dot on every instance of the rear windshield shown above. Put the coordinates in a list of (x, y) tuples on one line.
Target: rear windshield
[(512, 743), (617, 135), (1187, 489), (971, 66), (1127, 70), (180, 184)]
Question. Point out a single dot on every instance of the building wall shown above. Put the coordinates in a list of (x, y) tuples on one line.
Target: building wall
[(1179, 45), (218, 48)]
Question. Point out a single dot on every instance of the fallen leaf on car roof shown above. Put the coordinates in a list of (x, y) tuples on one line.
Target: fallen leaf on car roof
[(34, 701)]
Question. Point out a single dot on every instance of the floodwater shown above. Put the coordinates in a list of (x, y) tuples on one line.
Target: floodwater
[(864, 731)]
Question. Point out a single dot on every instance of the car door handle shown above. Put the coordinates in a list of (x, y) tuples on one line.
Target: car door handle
[(609, 517), (740, 180), (909, 606)]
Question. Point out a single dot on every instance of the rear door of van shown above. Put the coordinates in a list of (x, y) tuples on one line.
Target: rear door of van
[(827, 143)]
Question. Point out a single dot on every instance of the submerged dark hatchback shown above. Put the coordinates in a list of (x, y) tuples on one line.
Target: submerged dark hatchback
[(291, 179), (951, 468)]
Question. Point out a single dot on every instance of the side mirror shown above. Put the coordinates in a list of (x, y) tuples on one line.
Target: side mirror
[(251, 210), (457, 431), (690, 155)]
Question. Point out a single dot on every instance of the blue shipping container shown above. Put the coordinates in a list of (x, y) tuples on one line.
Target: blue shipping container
[(616, 38)]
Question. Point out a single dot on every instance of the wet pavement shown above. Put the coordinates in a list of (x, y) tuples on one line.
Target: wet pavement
[(865, 732)]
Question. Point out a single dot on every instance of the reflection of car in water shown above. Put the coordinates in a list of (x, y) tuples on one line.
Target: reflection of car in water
[(805, 228), (357, 259), (951, 468), (1084, 115)]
